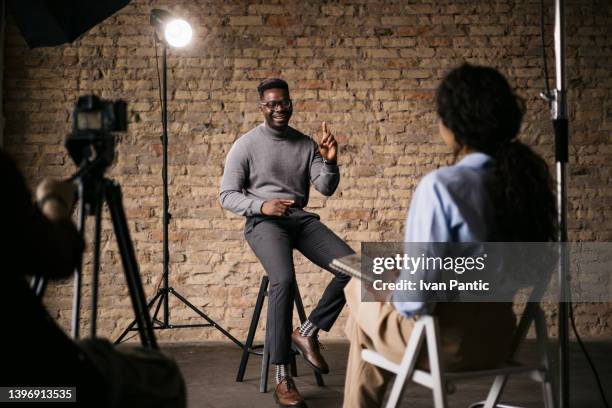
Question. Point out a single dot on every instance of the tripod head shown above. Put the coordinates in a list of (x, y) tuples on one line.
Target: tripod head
[(91, 144)]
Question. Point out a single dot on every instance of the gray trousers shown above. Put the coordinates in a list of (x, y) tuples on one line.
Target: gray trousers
[(273, 240)]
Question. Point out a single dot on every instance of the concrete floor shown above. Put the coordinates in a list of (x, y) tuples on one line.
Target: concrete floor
[(210, 371)]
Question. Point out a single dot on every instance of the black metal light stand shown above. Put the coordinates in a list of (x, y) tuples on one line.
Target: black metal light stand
[(561, 129), (163, 295)]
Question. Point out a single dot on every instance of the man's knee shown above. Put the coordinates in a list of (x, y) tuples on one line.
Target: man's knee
[(284, 284), (343, 279)]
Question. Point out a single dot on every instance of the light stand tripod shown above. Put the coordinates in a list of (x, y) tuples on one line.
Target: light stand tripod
[(163, 295)]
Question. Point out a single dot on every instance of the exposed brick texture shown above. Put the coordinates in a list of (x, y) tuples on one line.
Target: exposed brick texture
[(368, 68)]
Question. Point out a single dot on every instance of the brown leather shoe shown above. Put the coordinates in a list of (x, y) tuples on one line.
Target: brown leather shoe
[(287, 395), (309, 348)]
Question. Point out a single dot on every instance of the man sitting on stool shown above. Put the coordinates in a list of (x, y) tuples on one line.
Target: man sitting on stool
[(267, 177)]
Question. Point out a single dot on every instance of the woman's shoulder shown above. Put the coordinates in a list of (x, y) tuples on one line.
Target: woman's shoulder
[(443, 177), (473, 168), (451, 182)]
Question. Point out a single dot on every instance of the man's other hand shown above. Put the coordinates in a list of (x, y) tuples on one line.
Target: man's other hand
[(277, 207)]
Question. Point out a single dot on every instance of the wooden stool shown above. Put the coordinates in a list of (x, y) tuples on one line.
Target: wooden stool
[(262, 350)]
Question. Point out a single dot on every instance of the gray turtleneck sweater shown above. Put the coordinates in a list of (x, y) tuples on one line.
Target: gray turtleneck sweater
[(265, 164)]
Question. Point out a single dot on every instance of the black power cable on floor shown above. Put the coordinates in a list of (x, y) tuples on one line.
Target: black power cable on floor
[(548, 97), (588, 357)]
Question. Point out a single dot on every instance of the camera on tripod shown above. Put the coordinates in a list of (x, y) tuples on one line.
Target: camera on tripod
[(92, 147), (93, 122)]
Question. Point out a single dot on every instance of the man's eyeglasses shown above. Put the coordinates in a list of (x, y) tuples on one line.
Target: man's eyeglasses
[(273, 105)]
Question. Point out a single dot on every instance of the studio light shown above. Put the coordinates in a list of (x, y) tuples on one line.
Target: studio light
[(174, 31), (178, 33)]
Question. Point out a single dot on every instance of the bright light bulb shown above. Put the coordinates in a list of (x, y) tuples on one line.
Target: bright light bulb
[(178, 33)]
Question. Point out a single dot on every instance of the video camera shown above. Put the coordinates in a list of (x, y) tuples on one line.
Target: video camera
[(94, 120)]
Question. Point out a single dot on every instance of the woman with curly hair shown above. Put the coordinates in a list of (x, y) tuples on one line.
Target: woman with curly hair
[(497, 190)]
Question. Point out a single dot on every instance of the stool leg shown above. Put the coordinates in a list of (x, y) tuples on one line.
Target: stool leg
[(299, 305), (300, 309), (293, 365), (246, 351), (265, 365), (319, 379)]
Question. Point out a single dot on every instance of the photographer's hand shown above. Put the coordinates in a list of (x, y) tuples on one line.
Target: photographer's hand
[(56, 198)]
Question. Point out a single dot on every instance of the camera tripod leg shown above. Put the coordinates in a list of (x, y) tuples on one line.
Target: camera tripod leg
[(76, 297), (95, 267), (130, 265)]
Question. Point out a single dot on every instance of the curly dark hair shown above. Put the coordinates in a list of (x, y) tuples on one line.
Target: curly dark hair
[(271, 83), (478, 105)]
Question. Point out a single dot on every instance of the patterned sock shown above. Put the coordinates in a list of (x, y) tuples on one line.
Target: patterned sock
[(308, 329), (282, 371)]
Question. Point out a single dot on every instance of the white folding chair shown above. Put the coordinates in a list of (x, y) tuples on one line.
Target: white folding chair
[(441, 383)]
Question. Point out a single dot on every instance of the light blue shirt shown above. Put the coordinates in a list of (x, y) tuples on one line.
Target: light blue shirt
[(451, 204)]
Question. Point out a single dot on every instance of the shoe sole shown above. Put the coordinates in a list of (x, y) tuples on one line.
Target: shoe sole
[(300, 405), (314, 367)]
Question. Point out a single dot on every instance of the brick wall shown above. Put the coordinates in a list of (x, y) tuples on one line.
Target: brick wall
[(368, 68)]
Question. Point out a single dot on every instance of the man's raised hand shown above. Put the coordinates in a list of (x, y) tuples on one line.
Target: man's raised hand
[(328, 146), (277, 207)]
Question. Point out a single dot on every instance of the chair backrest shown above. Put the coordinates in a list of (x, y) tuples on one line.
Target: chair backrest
[(531, 312)]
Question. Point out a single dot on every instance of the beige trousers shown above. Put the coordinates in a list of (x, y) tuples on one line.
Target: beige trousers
[(378, 326)]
